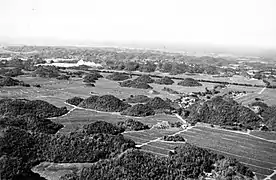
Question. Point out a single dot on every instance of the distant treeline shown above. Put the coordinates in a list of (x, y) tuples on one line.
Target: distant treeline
[(200, 80)]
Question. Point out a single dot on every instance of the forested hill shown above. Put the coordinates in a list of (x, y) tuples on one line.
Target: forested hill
[(222, 111)]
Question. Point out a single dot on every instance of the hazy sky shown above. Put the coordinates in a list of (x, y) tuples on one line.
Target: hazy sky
[(228, 22)]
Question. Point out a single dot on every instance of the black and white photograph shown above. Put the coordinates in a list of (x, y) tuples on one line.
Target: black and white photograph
[(138, 90)]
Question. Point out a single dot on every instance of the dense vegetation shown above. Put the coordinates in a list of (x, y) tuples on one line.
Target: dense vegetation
[(180, 68), (158, 103), (268, 113), (147, 67), (139, 110), (269, 117), (15, 63), (144, 79), (137, 99), (18, 152), (74, 101), (46, 72), (11, 72), (222, 111), (108, 103), (187, 161), (92, 77), (164, 80), (132, 125), (135, 84), (31, 123), (116, 76), (190, 82), (102, 127), (80, 147), (38, 108), (174, 138), (8, 81), (21, 150)]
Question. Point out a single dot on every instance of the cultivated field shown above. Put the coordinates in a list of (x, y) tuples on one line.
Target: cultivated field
[(266, 94), (256, 153), (270, 135)]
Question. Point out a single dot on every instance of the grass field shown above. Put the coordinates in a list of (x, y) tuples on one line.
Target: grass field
[(268, 95), (270, 135)]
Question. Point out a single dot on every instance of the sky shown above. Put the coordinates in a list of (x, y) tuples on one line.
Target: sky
[(222, 22)]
